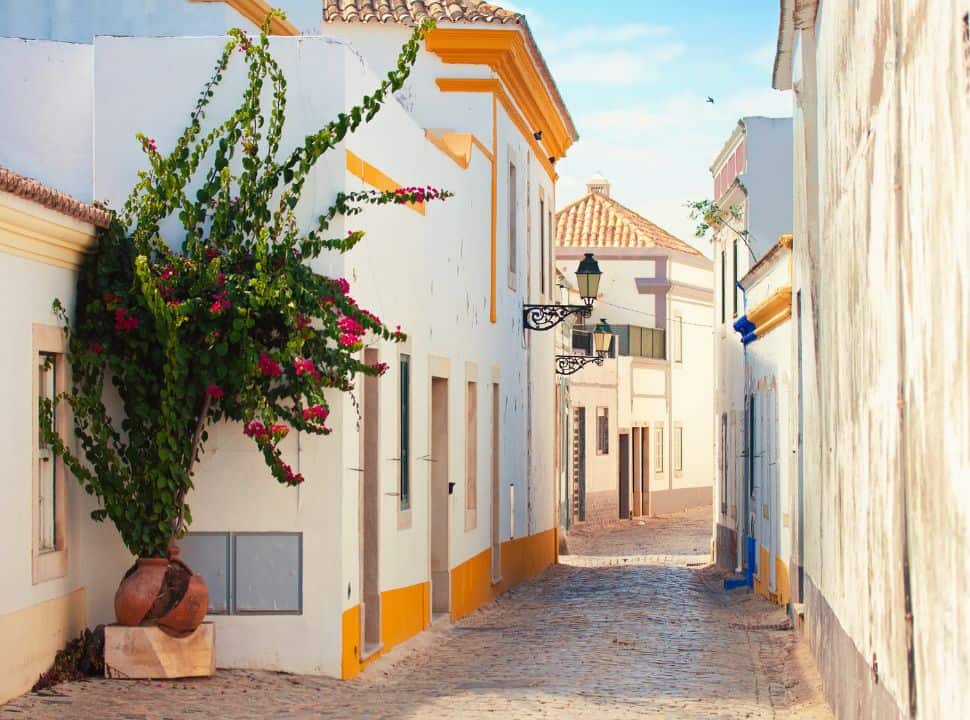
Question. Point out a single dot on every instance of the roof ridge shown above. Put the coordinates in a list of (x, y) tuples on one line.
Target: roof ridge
[(647, 232)]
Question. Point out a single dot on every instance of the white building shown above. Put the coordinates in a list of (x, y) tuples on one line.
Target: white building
[(881, 313), (753, 178), (391, 527), (641, 430)]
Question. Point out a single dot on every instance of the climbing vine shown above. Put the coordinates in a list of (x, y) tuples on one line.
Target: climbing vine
[(232, 325)]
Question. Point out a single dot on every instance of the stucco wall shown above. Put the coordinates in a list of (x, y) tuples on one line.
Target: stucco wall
[(883, 272)]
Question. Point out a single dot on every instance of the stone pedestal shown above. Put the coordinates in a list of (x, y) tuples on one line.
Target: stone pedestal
[(151, 653)]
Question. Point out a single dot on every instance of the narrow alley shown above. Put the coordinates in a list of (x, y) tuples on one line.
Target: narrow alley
[(632, 623)]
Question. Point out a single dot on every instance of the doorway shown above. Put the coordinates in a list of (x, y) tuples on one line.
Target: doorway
[(440, 499), (635, 463), (579, 464), (645, 471), (370, 509), (624, 476)]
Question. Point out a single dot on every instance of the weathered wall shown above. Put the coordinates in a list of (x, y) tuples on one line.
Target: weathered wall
[(884, 275)]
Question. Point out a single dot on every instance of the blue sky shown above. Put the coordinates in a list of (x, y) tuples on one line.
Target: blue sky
[(636, 74)]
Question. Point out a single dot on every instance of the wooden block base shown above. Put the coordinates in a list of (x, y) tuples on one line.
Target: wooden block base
[(151, 653)]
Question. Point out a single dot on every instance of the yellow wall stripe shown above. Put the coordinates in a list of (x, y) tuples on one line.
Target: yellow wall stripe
[(375, 178)]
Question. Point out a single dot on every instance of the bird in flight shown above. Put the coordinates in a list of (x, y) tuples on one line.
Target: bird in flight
[(710, 99)]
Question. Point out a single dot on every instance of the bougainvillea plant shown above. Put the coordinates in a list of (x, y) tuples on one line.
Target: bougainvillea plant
[(234, 324)]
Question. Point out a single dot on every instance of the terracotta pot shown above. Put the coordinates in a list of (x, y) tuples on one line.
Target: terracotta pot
[(137, 592), (163, 592)]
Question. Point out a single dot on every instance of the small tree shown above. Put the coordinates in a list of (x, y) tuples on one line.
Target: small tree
[(712, 217), (235, 325)]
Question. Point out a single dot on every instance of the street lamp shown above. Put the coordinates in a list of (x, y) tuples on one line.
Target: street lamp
[(602, 338), (545, 317)]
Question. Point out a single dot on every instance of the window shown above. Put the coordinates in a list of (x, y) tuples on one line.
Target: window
[(513, 211), (552, 244), (49, 546), (750, 443), (471, 455), (658, 450), (678, 448), (677, 338), (404, 488), (602, 431), (723, 287), (542, 245), (583, 340), (734, 286)]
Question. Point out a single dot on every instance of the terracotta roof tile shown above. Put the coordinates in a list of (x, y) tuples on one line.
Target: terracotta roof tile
[(599, 221), (412, 12), (30, 189)]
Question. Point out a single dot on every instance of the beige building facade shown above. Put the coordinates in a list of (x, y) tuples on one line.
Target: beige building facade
[(640, 423)]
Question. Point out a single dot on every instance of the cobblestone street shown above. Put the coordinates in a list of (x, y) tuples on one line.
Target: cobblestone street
[(632, 624)]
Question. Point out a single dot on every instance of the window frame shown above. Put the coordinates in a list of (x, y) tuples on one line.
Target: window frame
[(404, 431), (658, 451), (677, 338), (734, 286), (678, 450), (602, 430), (471, 455), (512, 220), (542, 244), (49, 563), (723, 286)]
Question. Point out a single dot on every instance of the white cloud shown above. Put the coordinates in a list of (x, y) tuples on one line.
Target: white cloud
[(600, 36), (763, 56), (614, 67)]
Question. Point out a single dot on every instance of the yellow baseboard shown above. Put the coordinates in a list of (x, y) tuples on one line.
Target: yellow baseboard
[(37, 633), (407, 611)]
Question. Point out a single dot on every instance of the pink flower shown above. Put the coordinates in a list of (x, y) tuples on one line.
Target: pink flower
[(350, 326), (380, 367), (342, 285), (291, 477), (348, 340), (214, 391), (168, 273), (302, 321), (220, 304), (302, 365), (278, 431), (95, 348), (123, 321), (268, 366), (315, 412), (255, 429)]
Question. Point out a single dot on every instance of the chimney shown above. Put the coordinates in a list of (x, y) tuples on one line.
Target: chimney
[(599, 185)]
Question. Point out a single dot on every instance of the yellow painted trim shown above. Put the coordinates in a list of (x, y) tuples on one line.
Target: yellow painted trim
[(404, 613), (505, 52), (771, 312), (782, 593), (256, 12), (522, 558), (458, 146), (37, 632), (491, 85), (359, 167), (762, 581), (33, 231), (493, 250)]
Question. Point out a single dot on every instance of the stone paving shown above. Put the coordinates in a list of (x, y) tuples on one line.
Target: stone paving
[(632, 624)]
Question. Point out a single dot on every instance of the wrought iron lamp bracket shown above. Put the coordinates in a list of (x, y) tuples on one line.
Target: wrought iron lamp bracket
[(545, 317), (569, 364)]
